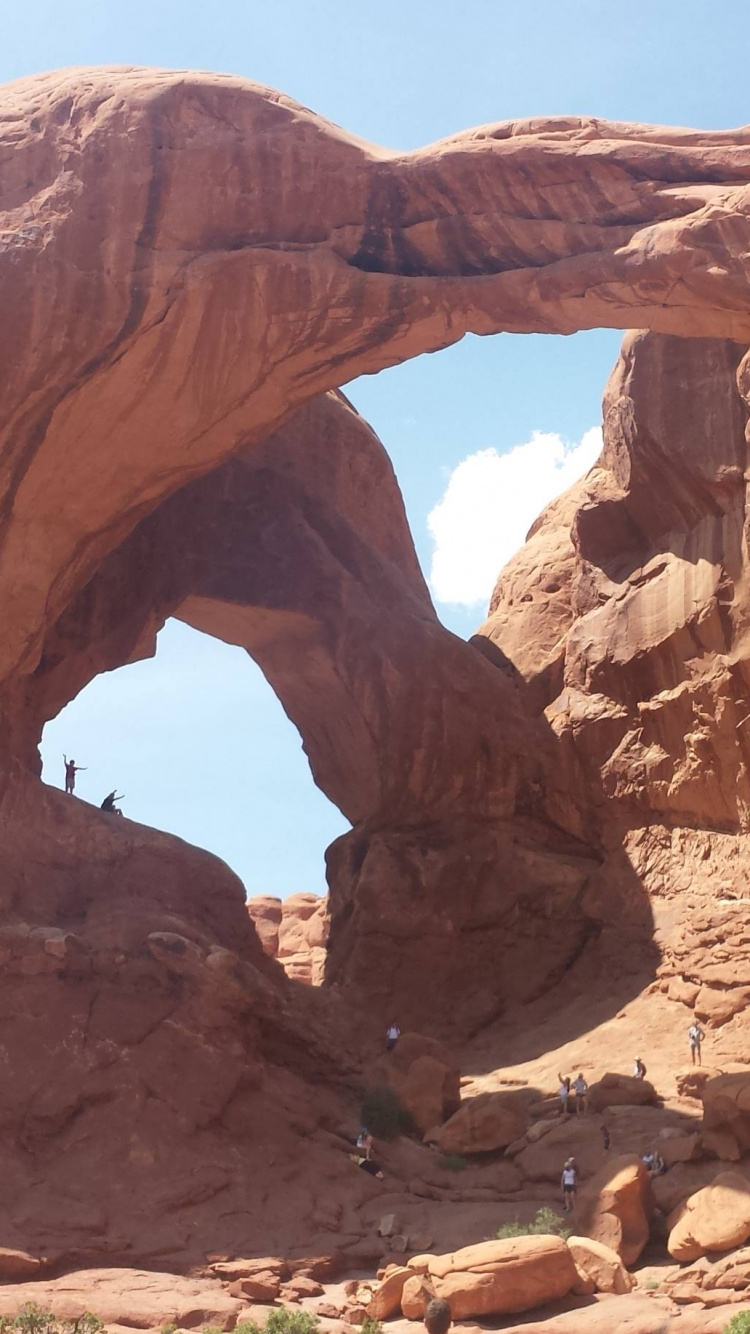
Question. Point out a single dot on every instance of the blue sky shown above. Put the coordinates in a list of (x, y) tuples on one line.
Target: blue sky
[(195, 738)]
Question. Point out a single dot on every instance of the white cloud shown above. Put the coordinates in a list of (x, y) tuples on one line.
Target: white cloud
[(490, 503)]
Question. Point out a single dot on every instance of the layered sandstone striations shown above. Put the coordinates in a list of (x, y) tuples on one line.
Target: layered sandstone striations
[(190, 266)]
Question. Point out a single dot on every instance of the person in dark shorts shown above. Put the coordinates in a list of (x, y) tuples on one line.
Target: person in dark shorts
[(639, 1069), (569, 1183), (392, 1036), (437, 1316), (109, 803)]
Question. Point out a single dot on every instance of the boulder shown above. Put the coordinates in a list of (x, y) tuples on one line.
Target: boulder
[(615, 1207), (726, 1106), (722, 1144), (681, 1148), (493, 1277), (133, 1297), (616, 1090), (424, 1076), (716, 1218), (417, 1291), (262, 1287), (599, 1268), (487, 1122), (693, 1079), (386, 1301)]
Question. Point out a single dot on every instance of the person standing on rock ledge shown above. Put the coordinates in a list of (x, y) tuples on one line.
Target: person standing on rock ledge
[(581, 1091), (71, 769), (392, 1036), (639, 1069), (695, 1037), (109, 803)]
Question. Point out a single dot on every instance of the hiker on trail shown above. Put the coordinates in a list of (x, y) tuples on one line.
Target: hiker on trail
[(563, 1092), (392, 1036), (639, 1069), (437, 1316), (364, 1143), (581, 1090), (606, 1141), (569, 1182), (71, 769), (695, 1037), (109, 803)]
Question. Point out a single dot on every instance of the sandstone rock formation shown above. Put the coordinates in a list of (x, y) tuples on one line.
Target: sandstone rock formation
[(182, 301), (295, 932), (615, 1207), (482, 1124), (599, 1269), (493, 1278), (423, 1075), (716, 1218)]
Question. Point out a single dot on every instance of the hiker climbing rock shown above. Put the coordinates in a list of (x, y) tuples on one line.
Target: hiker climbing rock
[(581, 1090), (563, 1092), (569, 1183), (392, 1036), (71, 769), (639, 1069)]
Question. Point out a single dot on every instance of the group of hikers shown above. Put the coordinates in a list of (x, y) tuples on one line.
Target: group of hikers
[(71, 769), (567, 1088)]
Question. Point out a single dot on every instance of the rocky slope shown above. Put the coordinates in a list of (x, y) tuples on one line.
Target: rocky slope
[(530, 812)]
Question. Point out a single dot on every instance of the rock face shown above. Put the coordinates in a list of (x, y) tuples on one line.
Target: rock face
[(295, 932), (599, 1269), (716, 1218), (615, 1206), (181, 304), (484, 1123), (424, 1076), (494, 1278)]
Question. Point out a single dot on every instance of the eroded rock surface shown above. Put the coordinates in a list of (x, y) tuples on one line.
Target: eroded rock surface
[(183, 299)]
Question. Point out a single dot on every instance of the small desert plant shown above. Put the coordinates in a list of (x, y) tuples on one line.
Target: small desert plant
[(384, 1116), (546, 1223), (454, 1162), (282, 1321), (652, 1284), (370, 1326), (739, 1324), (169, 1328), (33, 1319)]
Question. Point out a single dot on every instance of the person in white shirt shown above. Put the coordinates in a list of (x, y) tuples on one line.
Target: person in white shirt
[(569, 1182), (695, 1037), (581, 1089), (392, 1036)]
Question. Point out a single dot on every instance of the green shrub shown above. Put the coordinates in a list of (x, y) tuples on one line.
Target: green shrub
[(652, 1285), (546, 1223), (33, 1319), (454, 1162), (281, 1321), (384, 1116), (370, 1326), (739, 1324), (169, 1328)]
